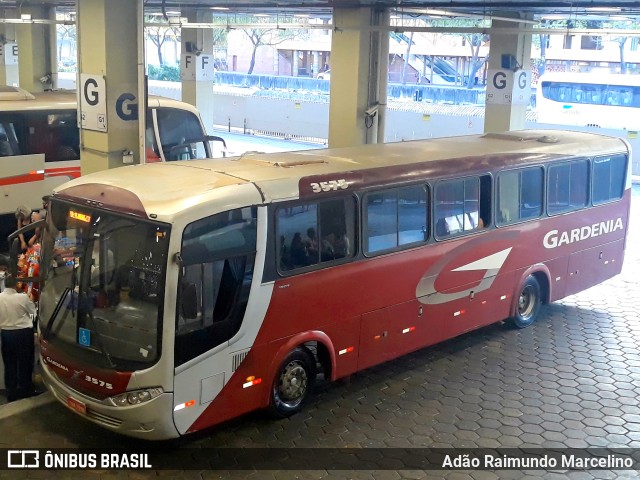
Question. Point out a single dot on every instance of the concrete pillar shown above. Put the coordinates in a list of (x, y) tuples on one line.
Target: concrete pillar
[(108, 89), (34, 44), (359, 66), (9, 69), (295, 63), (508, 79), (196, 65)]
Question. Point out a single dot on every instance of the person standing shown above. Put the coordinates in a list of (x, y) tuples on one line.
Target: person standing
[(17, 313), (4, 270)]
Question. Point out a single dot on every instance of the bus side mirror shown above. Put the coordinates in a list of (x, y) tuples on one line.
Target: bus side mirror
[(189, 301), (214, 138)]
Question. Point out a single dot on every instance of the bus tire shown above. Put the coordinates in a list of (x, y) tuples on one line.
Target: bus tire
[(528, 303), (293, 382)]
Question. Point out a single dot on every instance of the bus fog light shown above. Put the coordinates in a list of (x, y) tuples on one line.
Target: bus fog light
[(136, 397)]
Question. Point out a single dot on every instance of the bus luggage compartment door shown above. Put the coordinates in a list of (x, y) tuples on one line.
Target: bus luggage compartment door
[(595, 265)]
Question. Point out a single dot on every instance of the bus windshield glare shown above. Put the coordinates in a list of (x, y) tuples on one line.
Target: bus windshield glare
[(101, 299)]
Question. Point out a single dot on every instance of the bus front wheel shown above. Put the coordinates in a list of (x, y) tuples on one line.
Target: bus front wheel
[(293, 382), (529, 301)]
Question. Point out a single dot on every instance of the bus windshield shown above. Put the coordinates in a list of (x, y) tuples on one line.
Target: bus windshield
[(102, 294)]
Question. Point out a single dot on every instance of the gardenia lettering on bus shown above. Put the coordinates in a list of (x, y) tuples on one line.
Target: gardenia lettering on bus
[(554, 238)]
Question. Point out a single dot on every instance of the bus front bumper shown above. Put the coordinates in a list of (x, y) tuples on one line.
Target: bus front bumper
[(152, 420)]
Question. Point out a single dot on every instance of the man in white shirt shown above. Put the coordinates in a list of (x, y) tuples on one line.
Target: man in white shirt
[(4, 270), (17, 312)]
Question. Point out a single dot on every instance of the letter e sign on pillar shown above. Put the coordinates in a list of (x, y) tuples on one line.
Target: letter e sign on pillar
[(93, 102), (9, 54)]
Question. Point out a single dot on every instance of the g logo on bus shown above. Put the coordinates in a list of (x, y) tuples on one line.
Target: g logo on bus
[(426, 291)]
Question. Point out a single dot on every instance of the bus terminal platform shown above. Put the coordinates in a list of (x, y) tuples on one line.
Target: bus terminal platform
[(571, 380)]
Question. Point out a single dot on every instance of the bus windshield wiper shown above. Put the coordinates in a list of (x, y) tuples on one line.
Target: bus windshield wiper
[(99, 342), (56, 311)]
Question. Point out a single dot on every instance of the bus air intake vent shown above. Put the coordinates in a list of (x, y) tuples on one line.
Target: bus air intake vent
[(518, 136), (548, 139), (288, 163), (238, 358)]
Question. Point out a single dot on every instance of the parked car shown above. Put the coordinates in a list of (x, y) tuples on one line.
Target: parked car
[(326, 75)]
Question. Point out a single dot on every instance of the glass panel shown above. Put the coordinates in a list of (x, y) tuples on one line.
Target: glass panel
[(336, 229), (568, 187), (457, 206), (412, 215), (298, 236), (449, 208), (531, 185), (103, 293), (519, 195), (312, 233), (218, 254), (382, 221), (181, 134), (54, 134), (608, 178)]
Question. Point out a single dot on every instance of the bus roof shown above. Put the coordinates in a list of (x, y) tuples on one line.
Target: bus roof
[(14, 98), (597, 78), (174, 186)]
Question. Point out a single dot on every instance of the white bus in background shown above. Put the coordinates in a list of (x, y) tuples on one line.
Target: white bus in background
[(40, 144), (589, 100)]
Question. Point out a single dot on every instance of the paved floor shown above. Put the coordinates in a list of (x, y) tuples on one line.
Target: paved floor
[(570, 380)]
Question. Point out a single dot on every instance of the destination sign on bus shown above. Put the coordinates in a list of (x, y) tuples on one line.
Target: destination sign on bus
[(83, 217)]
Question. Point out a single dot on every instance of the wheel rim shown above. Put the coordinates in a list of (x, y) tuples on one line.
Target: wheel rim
[(527, 302), (293, 383)]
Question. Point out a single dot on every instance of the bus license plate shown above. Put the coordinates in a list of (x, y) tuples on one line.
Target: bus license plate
[(76, 405)]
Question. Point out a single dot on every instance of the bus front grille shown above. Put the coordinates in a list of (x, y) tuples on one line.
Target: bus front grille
[(105, 419)]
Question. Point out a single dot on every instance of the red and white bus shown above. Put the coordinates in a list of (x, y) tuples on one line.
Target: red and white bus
[(185, 294), (40, 144)]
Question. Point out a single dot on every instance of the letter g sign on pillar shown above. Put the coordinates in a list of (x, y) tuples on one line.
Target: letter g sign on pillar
[(93, 102)]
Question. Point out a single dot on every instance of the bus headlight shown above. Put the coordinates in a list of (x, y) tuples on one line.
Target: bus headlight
[(136, 397)]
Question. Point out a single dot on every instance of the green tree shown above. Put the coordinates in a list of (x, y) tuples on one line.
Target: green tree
[(269, 36), (159, 34), (474, 40)]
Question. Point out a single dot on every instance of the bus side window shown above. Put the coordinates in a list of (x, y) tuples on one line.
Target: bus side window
[(9, 144), (567, 188), (313, 233), (462, 205), (519, 195), (395, 218), (5, 147), (54, 134), (608, 178), (217, 254)]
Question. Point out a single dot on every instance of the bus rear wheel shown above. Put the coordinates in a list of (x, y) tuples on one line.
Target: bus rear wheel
[(293, 382), (529, 301)]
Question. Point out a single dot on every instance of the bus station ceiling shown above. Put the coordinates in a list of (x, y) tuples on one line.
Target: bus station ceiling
[(476, 7)]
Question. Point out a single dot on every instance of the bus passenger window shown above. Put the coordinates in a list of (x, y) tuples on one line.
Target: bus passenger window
[(395, 218), (568, 187), (5, 147), (8, 141), (519, 195), (460, 204), (313, 233), (608, 178)]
